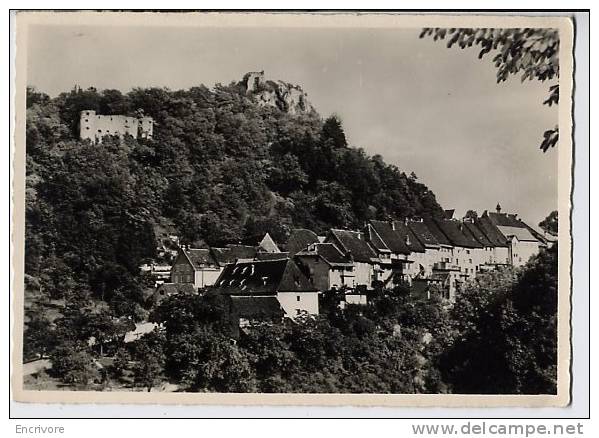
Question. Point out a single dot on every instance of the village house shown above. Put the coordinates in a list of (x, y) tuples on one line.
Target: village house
[(499, 254), (195, 266), (483, 257), (415, 247), (300, 239), (281, 279), (356, 248), (326, 266), (433, 248), (392, 252), (524, 242), (464, 246)]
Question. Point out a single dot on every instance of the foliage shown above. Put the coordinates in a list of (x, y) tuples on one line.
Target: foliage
[(37, 337), (530, 53), (148, 353), (510, 320), (219, 168), (549, 224), (73, 364)]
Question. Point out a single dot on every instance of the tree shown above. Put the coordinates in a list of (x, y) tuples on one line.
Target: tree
[(74, 364), (549, 224), (532, 53), (510, 320), (37, 337), (332, 131), (148, 352)]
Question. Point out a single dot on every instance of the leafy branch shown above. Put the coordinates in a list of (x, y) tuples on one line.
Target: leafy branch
[(531, 53)]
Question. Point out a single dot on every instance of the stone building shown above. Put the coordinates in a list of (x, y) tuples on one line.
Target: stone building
[(93, 126)]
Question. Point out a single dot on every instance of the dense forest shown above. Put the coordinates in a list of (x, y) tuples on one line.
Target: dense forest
[(218, 168)]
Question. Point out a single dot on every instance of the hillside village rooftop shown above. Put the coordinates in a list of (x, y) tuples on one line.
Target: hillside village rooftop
[(445, 252)]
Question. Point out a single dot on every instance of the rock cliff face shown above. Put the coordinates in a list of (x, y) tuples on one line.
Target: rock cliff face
[(287, 97)]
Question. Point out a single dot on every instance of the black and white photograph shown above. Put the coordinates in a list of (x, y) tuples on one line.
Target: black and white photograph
[(293, 204)]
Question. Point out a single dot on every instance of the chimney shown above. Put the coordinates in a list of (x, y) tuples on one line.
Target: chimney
[(498, 208)]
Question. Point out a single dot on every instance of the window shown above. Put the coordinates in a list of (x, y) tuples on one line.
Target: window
[(298, 298), (470, 261), (298, 311)]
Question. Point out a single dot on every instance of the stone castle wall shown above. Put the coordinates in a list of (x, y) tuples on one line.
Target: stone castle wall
[(93, 126)]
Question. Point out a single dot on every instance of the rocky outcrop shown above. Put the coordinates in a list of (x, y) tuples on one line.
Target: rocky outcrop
[(287, 97)]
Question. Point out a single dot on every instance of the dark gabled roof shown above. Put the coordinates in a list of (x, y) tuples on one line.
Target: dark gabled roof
[(232, 253), (506, 220), (257, 307), (457, 234), (511, 220), (294, 280), (272, 255), (329, 253), (299, 240), (423, 234), (536, 234), (353, 242), (390, 238), (432, 226), (176, 288), (199, 256), (375, 240), (478, 234), (262, 278), (406, 235), (491, 231)]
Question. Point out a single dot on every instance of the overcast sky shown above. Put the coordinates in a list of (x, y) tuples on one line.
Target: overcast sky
[(435, 111)]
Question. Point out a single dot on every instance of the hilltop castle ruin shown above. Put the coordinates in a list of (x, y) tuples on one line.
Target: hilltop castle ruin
[(287, 97), (93, 126)]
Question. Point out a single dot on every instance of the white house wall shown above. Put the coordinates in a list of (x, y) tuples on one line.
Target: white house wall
[(295, 303), (206, 277), (522, 251)]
